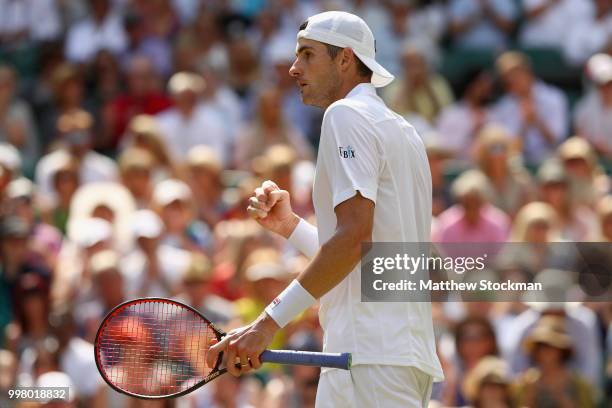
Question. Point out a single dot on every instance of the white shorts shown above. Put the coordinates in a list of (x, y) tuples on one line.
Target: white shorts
[(374, 386)]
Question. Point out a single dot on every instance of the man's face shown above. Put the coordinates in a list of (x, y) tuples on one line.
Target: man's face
[(316, 73)]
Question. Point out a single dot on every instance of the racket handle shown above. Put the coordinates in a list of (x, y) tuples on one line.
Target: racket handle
[(307, 358)]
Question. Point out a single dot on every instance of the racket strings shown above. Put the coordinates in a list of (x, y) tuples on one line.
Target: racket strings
[(155, 348)]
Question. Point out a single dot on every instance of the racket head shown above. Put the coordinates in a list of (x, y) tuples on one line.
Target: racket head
[(155, 348)]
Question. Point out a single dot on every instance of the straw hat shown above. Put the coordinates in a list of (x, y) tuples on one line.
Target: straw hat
[(577, 148), (186, 81), (530, 214), (510, 61), (489, 370), (550, 330), (203, 156), (471, 181)]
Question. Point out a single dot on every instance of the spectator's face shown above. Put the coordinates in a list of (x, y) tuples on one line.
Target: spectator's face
[(186, 100), (493, 396), (472, 203), (475, 344), (606, 93), (316, 73), (578, 168), (99, 8), (270, 109), (176, 216), (538, 232), (104, 212), (204, 180), (481, 88), (138, 181), (7, 86), (66, 183), (518, 81), (415, 65), (34, 307), (555, 194), (141, 77), (606, 227), (546, 355), (109, 286)]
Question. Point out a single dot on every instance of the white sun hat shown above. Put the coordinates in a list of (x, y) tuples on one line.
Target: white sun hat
[(347, 30)]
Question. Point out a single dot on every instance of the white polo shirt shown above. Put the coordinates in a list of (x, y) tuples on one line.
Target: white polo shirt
[(366, 147)]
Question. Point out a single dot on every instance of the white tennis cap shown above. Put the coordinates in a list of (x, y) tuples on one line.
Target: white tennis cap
[(344, 29)]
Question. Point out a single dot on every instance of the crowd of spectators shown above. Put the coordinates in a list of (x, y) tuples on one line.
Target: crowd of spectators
[(133, 132)]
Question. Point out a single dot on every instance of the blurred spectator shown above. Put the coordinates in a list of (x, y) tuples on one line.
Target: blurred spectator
[(604, 210), (473, 219), (196, 291), (593, 112), (136, 166), (418, 90), (32, 306), (552, 382), (64, 183), (189, 124), (144, 95), (534, 112), (485, 25), (17, 125), (588, 183), (243, 73), (460, 122), (68, 93), (489, 384), (589, 35), (438, 156), (58, 379), (74, 355), (26, 21), (267, 129), (75, 138), (150, 45), (204, 174), (548, 21), (576, 222), (8, 374), (474, 341), (496, 155), (101, 30), (143, 132), (152, 268), (172, 199), (421, 24)]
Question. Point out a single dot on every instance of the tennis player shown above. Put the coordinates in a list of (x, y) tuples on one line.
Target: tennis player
[(372, 183)]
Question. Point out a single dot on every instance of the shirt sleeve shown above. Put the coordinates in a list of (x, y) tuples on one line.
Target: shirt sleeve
[(350, 153)]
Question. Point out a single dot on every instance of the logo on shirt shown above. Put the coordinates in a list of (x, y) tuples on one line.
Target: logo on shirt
[(346, 153), (275, 302)]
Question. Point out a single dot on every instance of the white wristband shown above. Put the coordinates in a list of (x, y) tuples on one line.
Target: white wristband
[(305, 238), (291, 302)]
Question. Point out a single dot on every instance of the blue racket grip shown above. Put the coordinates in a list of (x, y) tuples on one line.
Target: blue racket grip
[(307, 358)]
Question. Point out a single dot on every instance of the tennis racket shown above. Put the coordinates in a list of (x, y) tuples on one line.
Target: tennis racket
[(154, 348)]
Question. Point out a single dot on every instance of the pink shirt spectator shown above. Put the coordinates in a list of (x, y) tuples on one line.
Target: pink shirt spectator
[(452, 226)]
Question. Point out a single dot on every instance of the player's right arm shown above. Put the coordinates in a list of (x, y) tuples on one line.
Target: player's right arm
[(271, 207)]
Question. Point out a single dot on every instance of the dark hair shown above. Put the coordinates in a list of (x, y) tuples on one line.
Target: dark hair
[(485, 325), (333, 52)]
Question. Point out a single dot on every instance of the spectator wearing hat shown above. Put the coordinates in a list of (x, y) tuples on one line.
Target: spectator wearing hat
[(267, 129), (58, 379), (482, 25), (498, 157), (552, 383), (144, 95), (576, 222), (593, 113), (75, 137), (101, 30), (190, 123), (173, 201), (581, 324), (534, 112), (461, 121), (196, 291), (419, 90), (136, 166), (10, 164), (143, 132), (17, 126), (489, 384), (152, 268), (204, 172), (473, 218), (588, 183)]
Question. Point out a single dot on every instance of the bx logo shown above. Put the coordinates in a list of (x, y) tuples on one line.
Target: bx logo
[(346, 153)]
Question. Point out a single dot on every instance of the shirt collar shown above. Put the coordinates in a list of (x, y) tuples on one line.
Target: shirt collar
[(362, 88)]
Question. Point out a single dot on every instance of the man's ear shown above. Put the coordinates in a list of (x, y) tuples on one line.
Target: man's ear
[(346, 58)]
